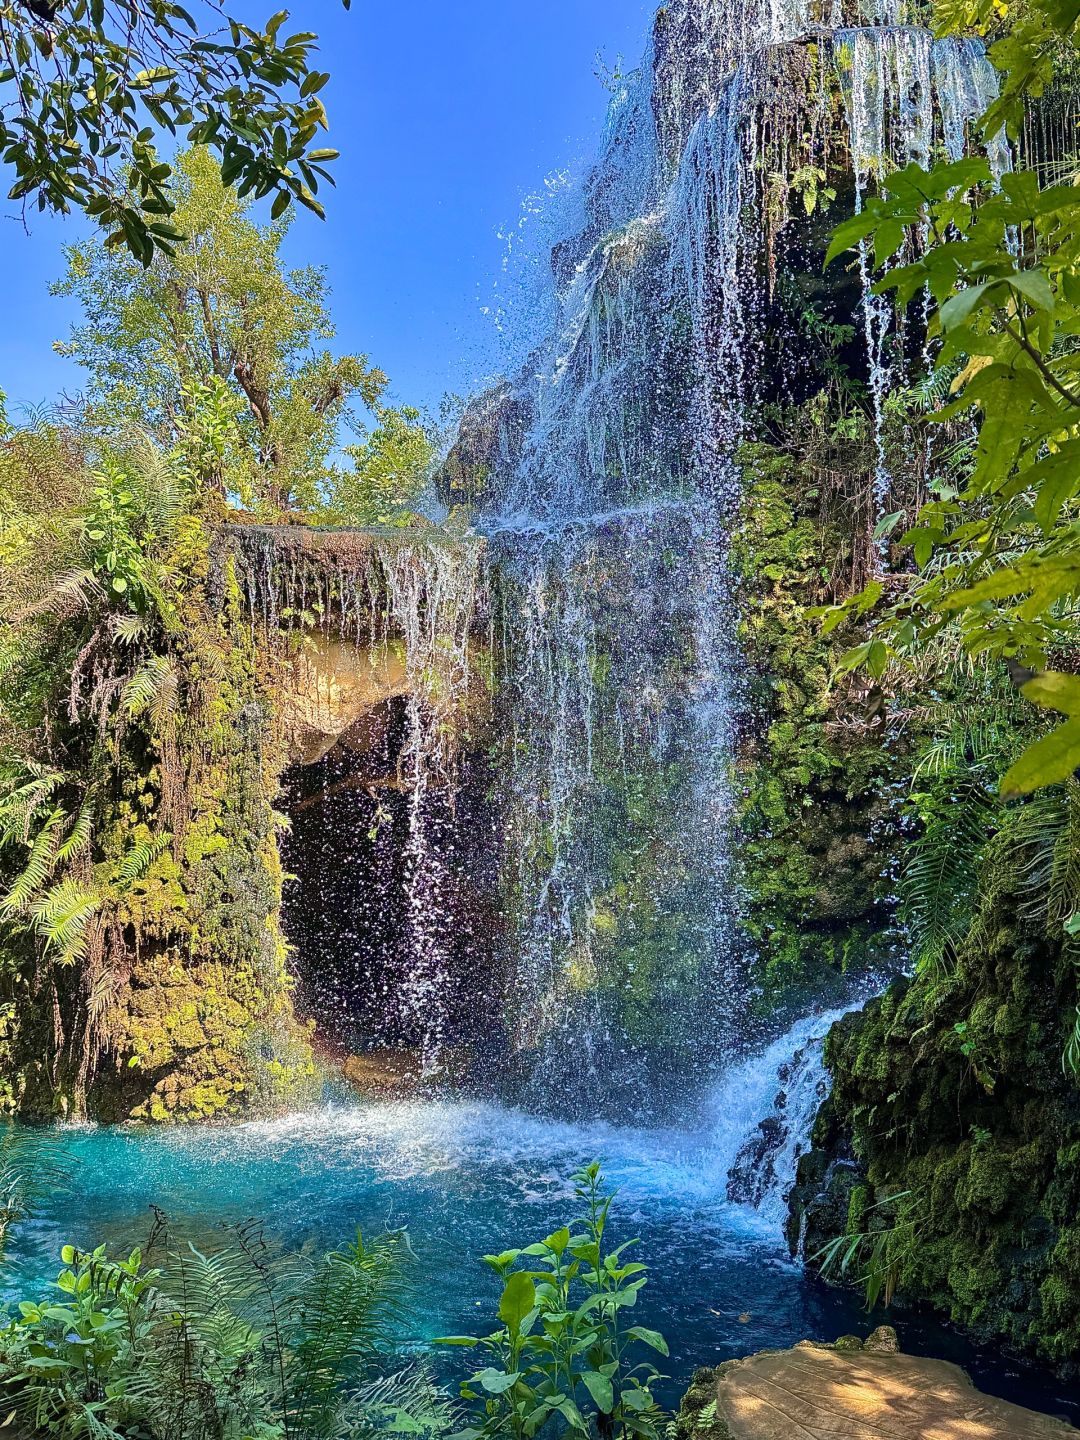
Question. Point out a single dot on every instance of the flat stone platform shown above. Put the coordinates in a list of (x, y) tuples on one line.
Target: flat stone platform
[(817, 1392)]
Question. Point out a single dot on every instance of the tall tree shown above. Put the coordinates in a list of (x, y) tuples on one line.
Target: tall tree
[(220, 310), (87, 86)]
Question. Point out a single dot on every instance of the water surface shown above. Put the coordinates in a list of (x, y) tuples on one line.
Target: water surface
[(467, 1178)]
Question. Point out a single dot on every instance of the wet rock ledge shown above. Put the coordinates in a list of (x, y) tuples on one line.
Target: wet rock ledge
[(850, 1391)]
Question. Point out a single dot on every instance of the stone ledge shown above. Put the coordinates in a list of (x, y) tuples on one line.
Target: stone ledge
[(850, 1391)]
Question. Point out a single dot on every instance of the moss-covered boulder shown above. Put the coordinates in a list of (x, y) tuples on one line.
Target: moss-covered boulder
[(951, 1140)]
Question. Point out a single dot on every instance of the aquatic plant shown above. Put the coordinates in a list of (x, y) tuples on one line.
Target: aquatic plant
[(564, 1353)]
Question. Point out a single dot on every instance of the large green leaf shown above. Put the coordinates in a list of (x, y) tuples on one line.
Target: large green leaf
[(1049, 761), (518, 1300), (601, 1390), (1055, 690)]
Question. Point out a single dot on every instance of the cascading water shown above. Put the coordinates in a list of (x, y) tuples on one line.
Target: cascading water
[(608, 520), (409, 606), (606, 478)]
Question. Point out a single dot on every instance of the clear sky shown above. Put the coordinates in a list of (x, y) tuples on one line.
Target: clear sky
[(447, 115)]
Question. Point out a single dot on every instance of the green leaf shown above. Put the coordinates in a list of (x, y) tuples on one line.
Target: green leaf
[(1035, 287), (1054, 690), (649, 1337), (518, 1299), (496, 1382), (601, 1390), (958, 307), (1049, 761)]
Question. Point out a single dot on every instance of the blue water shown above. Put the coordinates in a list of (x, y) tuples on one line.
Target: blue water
[(467, 1178)]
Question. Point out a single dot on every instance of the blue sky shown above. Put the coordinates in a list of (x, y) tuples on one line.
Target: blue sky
[(447, 115)]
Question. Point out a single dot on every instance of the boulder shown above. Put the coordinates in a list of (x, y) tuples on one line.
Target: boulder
[(851, 1392)]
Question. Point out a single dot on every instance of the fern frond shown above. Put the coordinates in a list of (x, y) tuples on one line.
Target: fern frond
[(130, 628), (939, 882), (39, 866), (79, 837), (75, 589), (345, 1312), (25, 790), (61, 917), (410, 1402), (138, 860), (153, 687)]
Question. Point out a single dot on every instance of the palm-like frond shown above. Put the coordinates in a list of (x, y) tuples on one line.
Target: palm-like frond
[(940, 878), (155, 688), (343, 1313), (79, 837), (62, 916), (38, 867), (26, 792), (138, 860), (407, 1403), (130, 629), (73, 590)]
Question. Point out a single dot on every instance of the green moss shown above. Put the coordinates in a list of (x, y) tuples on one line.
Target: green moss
[(979, 1130), (809, 785), (192, 1014)]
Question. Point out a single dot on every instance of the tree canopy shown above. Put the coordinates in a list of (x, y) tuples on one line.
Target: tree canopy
[(222, 314), (88, 88)]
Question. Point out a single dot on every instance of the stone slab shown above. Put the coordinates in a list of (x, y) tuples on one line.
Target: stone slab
[(819, 1393)]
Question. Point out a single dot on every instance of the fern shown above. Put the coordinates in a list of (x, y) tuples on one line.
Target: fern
[(130, 629), (344, 1312), (153, 687), (939, 882), (77, 588), (408, 1402), (38, 867), (138, 860), (81, 834), (25, 791), (61, 918)]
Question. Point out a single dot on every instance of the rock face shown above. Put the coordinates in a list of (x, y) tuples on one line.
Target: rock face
[(333, 684), (851, 1391)]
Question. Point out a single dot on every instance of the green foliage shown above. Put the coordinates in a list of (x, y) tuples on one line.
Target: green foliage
[(812, 765), (562, 1357), (872, 1258), (953, 800), (247, 1343), (137, 849), (391, 469), (86, 88), (958, 1087), (998, 560), (219, 345)]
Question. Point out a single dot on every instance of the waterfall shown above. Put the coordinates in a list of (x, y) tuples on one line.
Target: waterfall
[(764, 1110), (608, 521), (900, 88), (604, 472), (414, 601)]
